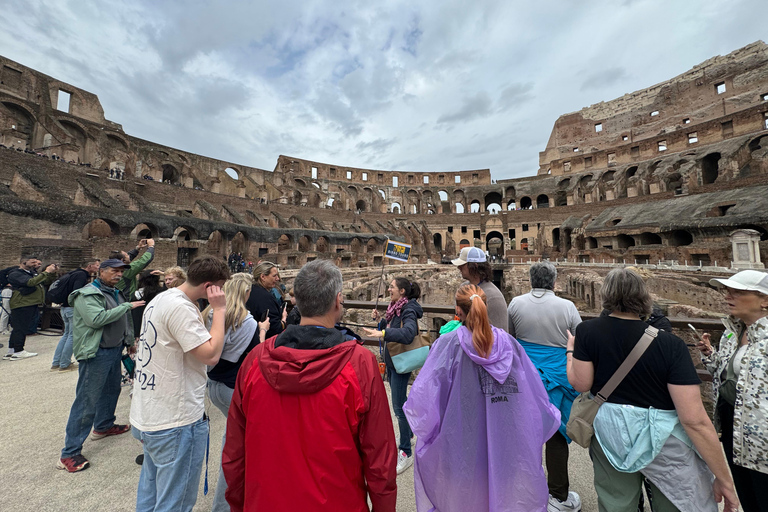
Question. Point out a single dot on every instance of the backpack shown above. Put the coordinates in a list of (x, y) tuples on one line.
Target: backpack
[(4, 276), (60, 289)]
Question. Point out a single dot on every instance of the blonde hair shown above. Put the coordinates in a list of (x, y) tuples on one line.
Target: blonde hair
[(236, 290), (262, 269), (178, 273)]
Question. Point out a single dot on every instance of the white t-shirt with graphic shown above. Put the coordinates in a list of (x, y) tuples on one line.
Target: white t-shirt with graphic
[(169, 385)]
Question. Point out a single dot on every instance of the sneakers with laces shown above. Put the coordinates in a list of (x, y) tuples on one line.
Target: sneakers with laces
[(115, 430), (573, 502), (17, 356), (73, 464), (403, 461)]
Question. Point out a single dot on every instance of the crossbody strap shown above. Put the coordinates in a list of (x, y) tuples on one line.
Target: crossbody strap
[(639, 349)]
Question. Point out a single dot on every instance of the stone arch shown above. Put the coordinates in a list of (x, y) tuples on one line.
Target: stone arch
[(184, 233), (474, 206), (100, 228), (372, 246), (542, 201), (463, 243), (590, 242), (510, 193), (437, 240), (144, 230), (299, 182), (511, 205), (24, 122), (171, 174), (232, 173), (305, 243), (631, 172), (322, 244), (624, 241), (79, 134), (314, 200), (561, 198), (396, 208), (361, 206), (709, 168), (680, 237), (443, 195), (217, 245), (239, 243), (355, 245), (118, 140), (526, 203), (648, 238), (494, 243), (492, 198), (284, 243), (298, 197)]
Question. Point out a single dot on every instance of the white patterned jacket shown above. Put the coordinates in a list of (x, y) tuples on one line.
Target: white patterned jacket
[(750, 417)]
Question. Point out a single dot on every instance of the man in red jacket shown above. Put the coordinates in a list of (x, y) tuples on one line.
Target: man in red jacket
[(309, 426)]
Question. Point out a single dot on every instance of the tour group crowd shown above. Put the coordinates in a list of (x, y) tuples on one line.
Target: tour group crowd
[(309, 426)]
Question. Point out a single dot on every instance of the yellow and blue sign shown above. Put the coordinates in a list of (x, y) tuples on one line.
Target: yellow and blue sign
[(397, 251)]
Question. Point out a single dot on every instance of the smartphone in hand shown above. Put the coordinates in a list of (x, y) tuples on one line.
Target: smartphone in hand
[(264, 316)]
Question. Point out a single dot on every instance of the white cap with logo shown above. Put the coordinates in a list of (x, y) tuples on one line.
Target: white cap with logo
[(469, 255), (752, 280)]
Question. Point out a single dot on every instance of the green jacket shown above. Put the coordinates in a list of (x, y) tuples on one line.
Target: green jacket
[(128, 283), (18, 278), (89, 318)]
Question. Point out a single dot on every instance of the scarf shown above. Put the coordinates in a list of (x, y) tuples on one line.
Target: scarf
[(395, 308)]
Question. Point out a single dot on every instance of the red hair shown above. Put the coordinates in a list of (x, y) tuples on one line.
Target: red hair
[(471, 300)]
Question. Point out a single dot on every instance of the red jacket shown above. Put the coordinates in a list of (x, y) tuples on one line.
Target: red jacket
[(309, 428)]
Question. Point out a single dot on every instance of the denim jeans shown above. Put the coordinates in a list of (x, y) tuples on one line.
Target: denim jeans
[(62, 357), (22, 320), (221, 396), (173, 462), (398, 382), (98, 388)]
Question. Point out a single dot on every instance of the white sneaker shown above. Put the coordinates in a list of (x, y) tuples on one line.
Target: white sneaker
[(22, 355), (403, 461), (573, 502), (8, 356)]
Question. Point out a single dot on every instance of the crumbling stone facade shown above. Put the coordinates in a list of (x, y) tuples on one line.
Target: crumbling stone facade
[(662, 174)]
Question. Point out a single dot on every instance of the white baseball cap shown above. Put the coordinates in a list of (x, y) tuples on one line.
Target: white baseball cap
[(469, 255), (752, 280)]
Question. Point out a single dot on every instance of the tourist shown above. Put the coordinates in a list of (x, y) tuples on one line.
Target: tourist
[(399, 325), (5, 313), (540, 320), (739, 369), (128, 283), (242, 334), (28, 295), (479, 440), (101, 327), (309, 427), (62, 356), (474, 267), (638, 430), (294, 315), (168, 406), (148, 288), (174, 276), (265, 277)]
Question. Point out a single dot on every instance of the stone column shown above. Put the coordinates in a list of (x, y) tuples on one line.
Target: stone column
[(746, 249)]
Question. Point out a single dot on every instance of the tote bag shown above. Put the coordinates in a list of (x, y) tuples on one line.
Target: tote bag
[(407, 358)]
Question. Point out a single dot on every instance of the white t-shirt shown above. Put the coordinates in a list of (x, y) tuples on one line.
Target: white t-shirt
[(169, 385)]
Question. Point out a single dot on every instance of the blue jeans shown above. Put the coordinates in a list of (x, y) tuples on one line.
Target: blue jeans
[(398, 383), (98, 388), (62, 357), (173, 461), (221, 396)]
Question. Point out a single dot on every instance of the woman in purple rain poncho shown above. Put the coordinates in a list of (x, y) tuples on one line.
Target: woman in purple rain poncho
[(481, 415)]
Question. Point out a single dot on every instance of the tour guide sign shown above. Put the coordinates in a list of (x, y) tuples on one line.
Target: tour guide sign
[(397, 251)]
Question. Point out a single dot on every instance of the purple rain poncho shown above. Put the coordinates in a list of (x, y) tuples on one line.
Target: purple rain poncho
[(480, 426)]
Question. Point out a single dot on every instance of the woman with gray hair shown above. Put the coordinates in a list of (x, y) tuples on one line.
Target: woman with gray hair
[(654, 423), (540, 320), (266, 276)]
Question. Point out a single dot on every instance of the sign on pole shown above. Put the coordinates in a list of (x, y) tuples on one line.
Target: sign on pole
[(397, 251)]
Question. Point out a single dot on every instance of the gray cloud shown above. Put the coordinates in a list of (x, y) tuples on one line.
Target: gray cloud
[(605, 78), (472, 108)]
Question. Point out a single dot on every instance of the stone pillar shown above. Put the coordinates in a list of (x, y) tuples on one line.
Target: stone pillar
[(746, 251)]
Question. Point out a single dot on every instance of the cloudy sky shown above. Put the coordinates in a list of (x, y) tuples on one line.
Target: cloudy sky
[(397, 85)]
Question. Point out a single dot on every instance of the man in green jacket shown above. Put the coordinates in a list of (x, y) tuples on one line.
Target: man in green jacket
[(128, 283), (28, 295), (102, 325)]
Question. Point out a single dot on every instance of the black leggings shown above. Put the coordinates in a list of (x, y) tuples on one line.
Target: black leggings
[(751, 485)]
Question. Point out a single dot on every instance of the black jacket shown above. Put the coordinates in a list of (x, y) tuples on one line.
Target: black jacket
[(262, 300), (79, 278), (403, 328)]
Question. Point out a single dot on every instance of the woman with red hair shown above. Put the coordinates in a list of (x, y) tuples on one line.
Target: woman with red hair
[(481, 415)]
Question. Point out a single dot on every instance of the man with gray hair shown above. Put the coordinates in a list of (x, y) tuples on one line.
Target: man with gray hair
[(540, 320), (309, 426)]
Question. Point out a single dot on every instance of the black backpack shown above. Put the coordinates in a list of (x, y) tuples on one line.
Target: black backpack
[(60, 289), (4, 276)]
